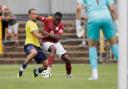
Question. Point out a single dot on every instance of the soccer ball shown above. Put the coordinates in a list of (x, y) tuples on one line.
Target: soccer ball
[(46, 74)]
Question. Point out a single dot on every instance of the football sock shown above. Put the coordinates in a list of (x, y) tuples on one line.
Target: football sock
[(68, 68), (23, 67), (50, 60), (39, 70), (93, 57), (115, 50), (95, 73)]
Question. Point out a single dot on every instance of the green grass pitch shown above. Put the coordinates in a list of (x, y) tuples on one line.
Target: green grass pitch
[(80, 72)]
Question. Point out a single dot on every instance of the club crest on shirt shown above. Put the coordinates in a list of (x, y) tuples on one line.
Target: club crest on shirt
[(57, 28)]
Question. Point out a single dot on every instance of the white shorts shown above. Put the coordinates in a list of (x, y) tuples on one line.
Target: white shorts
[(13, 28), (59, 48)]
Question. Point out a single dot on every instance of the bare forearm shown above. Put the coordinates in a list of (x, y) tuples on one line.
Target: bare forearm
[(114, 15), (78, 11), (44, 33), (54, 36), (39, 36)]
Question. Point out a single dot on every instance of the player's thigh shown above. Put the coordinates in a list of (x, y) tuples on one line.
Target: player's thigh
[(29, 48), (59, 49), (46, 45), (93, 30), (41, 56), (109, 29)]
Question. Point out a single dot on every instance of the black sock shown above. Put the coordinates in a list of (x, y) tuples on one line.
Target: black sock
[(24, 66), (40, 70)]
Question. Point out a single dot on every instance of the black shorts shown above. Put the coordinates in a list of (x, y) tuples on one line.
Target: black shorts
[(40, 55)]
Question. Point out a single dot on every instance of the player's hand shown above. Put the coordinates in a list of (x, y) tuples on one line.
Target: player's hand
[(52, 32), (84, 18)]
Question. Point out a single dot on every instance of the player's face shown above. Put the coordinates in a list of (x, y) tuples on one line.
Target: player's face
[(6, 10), (57, 20), (33, 15)]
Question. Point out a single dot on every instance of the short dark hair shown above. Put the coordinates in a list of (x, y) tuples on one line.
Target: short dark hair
[(29, 11), (58, 14)]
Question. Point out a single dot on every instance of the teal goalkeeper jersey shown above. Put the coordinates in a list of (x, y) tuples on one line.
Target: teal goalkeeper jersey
[(97, 9)]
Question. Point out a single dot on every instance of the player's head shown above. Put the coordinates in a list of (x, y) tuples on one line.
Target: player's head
[(6, 11), (32, 14), (57, 18)]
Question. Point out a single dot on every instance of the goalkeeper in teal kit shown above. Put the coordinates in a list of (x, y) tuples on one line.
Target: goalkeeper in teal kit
[(101, 14)]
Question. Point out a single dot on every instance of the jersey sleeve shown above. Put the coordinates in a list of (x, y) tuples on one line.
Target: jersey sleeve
[(42, 19)]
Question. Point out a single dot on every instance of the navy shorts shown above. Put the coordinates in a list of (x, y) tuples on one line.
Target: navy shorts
[(40, 55)]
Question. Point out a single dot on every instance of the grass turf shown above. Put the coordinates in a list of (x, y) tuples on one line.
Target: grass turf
[(80, 72)]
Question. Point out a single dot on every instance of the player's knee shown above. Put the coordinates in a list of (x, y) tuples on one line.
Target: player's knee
[(113, 40), (67, 61), (52, 49), (65, 58), (92, 43)]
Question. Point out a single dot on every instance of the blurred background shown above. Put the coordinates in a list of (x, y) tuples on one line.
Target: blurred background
[(43, 6), (12, 51)]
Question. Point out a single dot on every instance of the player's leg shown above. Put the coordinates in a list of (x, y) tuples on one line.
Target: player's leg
[(15, 26), (31, 52), (40, 69), (40, 59), (93, 59), (114, 47), (61, 52), (68, 66), (52, 52), (110, 33), (10, 32), (93, 30)]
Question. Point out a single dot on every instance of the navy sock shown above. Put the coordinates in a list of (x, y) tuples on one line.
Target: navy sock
[(40, 69), (24, 66)]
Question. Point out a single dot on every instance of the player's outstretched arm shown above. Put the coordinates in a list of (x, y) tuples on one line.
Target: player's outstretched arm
[(37, 34), (57, 35), (41, 18)]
